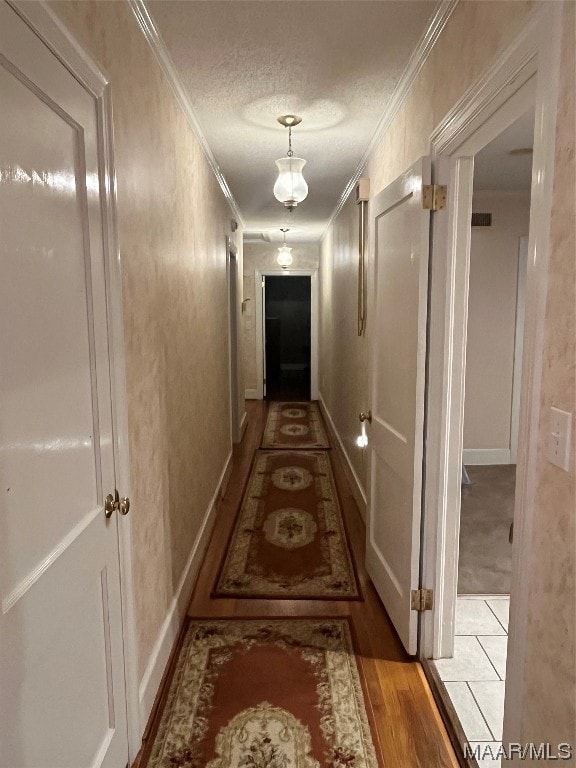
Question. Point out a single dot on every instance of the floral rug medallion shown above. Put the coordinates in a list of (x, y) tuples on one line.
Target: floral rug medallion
[(295, 430), (289, 538), (265, 693), (294, 425), (264, 736), (292, 478), (289, 528), (294, 413)]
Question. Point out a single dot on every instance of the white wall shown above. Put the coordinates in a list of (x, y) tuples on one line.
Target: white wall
[(492, 325)]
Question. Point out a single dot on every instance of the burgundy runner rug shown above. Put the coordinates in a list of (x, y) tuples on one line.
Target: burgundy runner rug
[(273, 693), (294, 425), (289, 539)]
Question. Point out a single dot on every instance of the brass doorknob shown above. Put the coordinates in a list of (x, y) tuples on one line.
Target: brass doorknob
[(366, 416), (109, 505), (124, 505)]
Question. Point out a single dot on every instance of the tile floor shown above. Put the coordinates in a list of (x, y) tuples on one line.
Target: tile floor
[(474, 677)]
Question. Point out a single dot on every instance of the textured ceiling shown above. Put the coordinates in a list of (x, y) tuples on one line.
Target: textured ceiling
[(244, 63), (496, 168)]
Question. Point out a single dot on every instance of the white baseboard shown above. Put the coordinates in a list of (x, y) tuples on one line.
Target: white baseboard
[(481, 456), (251, 394), (243, 425), (170, 630), (357, 490)]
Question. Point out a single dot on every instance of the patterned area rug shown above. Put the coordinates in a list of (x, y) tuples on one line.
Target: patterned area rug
[(274, 693), (294, 425), (289, 539)]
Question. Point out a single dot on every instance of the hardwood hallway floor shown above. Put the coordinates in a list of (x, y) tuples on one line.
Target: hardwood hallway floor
[(410, 731)]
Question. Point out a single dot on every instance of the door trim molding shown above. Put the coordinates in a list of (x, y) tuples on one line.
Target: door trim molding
[(46, 24), (525, 74), (314, 304), (518, 347), (234, 325)]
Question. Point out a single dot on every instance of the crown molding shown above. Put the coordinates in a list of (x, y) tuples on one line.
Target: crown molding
[(418, 58), (158, 46)]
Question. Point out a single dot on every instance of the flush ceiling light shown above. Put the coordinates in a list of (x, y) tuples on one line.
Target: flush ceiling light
[(284, 257), (290, 187)]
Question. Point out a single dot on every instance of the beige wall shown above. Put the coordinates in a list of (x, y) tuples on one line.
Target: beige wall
[(173, 221), (471, 40), (262, 256), (343, 354), (492, 318)]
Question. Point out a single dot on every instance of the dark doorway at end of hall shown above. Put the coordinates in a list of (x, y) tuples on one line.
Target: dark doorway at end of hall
[(287, 328)]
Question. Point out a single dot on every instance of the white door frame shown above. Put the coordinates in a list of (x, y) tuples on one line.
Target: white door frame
[(526, 75), (233, 326), (518, 346), (313, 274), (39, 16)]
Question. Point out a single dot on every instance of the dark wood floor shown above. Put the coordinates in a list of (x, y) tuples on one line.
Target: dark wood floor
[(410, 730), (288, 385)]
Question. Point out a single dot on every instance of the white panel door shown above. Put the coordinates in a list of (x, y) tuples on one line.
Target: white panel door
[(398, 382), (62, 691)]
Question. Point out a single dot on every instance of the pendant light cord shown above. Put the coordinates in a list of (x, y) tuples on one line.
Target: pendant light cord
[(290, 153)]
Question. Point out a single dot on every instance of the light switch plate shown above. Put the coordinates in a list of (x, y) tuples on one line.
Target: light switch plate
[(560, 438)]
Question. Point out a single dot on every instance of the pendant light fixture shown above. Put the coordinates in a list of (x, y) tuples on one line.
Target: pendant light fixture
[(290, 187), (284, 257)]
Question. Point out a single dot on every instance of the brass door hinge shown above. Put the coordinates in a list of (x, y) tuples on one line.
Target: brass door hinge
[(422, 599), (434, 197)]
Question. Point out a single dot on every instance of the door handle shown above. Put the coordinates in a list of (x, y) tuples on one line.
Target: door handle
[(113, 502), (365, 417)]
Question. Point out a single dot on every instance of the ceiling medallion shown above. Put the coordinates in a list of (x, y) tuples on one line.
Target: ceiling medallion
[(290, 187)]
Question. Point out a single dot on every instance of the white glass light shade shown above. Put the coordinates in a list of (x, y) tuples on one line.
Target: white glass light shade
[(290, 187), (284, 256)]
